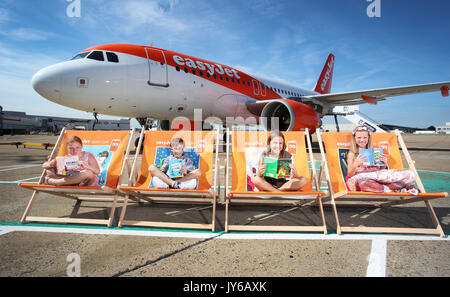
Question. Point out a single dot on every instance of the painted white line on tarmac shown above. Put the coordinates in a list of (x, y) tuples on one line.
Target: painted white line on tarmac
[(22, 180), (377, 259), (96, 231), (3, 231), (312, 236), (18, 181), (208, 234), (16, 165), (20, 167)]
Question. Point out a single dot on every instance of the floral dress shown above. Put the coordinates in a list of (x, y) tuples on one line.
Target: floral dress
[(375, 179)]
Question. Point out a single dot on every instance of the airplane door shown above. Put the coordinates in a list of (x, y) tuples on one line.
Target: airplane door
[(263, 90), (255, 87), (157, 67), (258, 88)]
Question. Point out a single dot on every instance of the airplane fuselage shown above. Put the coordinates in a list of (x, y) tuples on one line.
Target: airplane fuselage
[(141, 81)]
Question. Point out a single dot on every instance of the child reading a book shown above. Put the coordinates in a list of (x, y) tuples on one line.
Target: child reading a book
[(374, 178), (83, 169), (177, 170), (276, 148)]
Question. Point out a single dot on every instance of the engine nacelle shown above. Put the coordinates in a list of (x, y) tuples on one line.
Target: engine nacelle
[(292, 116)]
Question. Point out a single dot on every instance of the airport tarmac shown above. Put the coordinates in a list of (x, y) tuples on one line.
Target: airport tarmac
[(53, 250)]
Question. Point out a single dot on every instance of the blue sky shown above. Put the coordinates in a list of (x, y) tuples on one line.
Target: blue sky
[(287, 40)]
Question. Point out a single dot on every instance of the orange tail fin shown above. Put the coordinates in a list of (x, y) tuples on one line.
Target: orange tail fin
[(323, 85)]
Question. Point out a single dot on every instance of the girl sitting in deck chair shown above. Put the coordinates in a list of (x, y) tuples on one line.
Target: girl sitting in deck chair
[(276, 148), (374, 178), (85, 170)]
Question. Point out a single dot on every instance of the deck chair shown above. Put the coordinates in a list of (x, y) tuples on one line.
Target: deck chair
[(199, 147), (246, 148), (337, 145), (116, 144)]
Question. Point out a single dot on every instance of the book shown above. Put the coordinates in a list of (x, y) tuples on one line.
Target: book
[(67, 165), (175, 167), (277, 168), (372, 157)]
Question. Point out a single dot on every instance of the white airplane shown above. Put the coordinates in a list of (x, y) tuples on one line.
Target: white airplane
[(147, 82)]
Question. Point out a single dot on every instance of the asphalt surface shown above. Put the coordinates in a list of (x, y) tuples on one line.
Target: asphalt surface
[(53, 250)]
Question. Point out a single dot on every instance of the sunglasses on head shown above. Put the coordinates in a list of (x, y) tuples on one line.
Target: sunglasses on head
[(360, 129)]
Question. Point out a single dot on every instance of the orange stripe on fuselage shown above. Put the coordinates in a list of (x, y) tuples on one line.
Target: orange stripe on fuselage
[(192, 63)]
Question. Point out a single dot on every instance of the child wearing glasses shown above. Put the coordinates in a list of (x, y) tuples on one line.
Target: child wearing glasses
[(189, 175), (374, 178)]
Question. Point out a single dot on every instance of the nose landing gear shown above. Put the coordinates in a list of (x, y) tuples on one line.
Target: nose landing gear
[(96, 120)]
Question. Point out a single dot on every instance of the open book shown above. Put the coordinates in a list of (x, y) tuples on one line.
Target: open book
[(371, 156), (175, 167), (67, 165), (277, 168)]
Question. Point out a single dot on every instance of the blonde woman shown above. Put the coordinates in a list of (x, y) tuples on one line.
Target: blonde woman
[(374, 178)]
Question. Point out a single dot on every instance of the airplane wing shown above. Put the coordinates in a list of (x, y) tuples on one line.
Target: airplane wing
[(375, 95)]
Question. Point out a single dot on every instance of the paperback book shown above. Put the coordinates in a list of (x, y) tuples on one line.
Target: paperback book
[(277, 168), (371, 156), (67, 165), (175, 167)]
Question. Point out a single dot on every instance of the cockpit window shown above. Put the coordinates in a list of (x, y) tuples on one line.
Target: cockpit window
[(80, 55), (96, 55), (112, 57)]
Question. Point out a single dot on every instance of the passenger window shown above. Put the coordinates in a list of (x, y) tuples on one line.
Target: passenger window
[(96, 55), (112, 57)]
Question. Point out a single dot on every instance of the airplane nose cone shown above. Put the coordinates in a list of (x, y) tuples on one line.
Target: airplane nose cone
[(47, 83)]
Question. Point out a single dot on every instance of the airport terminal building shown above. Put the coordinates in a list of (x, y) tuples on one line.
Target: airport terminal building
[(17, 122), (443, 129)]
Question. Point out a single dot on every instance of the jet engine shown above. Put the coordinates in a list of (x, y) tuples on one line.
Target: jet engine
[(289, 115)]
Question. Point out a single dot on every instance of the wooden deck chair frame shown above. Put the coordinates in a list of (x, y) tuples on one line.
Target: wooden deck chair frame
[(108, 193), (386, 199), (239, 196), (155, 195)]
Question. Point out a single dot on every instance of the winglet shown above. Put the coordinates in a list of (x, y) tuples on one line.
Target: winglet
[(323, 85), (444, 91)]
